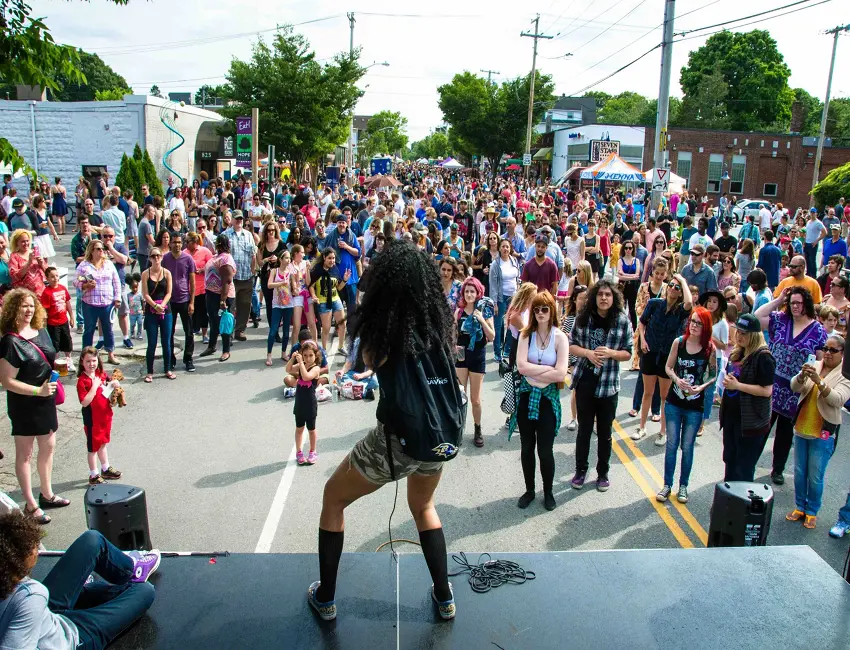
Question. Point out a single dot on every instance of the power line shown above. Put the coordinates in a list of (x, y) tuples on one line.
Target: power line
[(754, 22), (728, 22), (617, 71), (633, 9), (584, 24)]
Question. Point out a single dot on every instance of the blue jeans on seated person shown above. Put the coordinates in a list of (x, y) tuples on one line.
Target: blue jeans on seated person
[(371, 382), (100, 611), (811, 456), (682, 426)]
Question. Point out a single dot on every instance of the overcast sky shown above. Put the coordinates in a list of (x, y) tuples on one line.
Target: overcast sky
[(182, 44)]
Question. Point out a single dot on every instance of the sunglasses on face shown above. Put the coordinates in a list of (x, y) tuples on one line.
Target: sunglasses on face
[(795, 266), (541, 310), (675, 286), (831, 350), (98, 248), (152, 256)]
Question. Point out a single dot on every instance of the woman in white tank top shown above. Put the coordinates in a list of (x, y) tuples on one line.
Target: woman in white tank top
[(542, 361), (574, 245)]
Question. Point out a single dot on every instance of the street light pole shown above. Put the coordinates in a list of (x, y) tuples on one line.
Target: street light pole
[(822, 132)]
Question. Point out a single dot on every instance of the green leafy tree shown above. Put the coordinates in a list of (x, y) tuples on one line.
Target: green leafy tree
[(305, 107), (155, 92), (674, 111), (129, 175), (756, 76), (149, 175), (385, 133), (116, 94), (207, 93), (625, 108), (835, 185), (601, 98), (30, 56), (812, 108), (707, 107), (490, 119), (838, 121)]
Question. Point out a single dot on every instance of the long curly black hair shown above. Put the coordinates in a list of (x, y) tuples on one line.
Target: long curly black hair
[(19, 535), (403, 310), (590, 309)]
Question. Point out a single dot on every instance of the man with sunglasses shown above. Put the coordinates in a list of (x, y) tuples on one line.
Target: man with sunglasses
[(699, 274), (798, 277)]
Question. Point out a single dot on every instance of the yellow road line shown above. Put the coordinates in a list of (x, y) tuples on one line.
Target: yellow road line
[(665, 515), (682, 509)]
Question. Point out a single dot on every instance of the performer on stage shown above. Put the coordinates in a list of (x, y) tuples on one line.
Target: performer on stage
[(405, 326)]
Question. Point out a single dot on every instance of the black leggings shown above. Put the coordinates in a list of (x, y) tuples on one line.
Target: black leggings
[(268, 299), (538, 433), (630, 292), (782, 442)]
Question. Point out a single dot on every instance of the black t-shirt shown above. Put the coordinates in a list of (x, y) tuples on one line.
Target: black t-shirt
[(765, 371), (21, 354), (692, 208), (485, 258), (726, 244), (463, 338)]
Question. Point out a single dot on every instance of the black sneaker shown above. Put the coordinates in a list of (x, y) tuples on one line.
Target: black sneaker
[(777, 477), (369, 395), (190, 366)]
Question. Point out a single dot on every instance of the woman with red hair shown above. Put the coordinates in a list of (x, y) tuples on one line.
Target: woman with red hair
[(473, 331), (692, 367)]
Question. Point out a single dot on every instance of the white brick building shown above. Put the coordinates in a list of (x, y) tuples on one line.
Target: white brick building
[(59, 138)]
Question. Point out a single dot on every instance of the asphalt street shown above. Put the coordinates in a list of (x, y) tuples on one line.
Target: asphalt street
[(214, 452)]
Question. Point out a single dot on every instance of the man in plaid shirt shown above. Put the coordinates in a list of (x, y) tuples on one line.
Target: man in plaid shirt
[(601, 339), (243, 248)]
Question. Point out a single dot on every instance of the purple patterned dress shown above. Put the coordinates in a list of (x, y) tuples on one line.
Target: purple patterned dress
[(790, 354)]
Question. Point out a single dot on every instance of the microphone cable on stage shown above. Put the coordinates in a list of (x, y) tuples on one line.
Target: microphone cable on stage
[(390, 530), (491, 573)]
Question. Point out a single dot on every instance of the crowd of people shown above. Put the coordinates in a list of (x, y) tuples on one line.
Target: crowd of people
[(567, 284)]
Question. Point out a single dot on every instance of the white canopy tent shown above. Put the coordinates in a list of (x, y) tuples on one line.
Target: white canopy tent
[(423, 161), (451, 163), (613, 168)]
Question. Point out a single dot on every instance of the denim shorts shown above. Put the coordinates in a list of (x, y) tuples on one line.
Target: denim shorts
[(335, 306)]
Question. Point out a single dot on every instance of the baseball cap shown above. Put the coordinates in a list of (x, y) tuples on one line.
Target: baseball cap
[(698, 249), (237, 214), (748, 323), (835, 226), (784, 240), (17, 203), (813, 210), (453, 226), (541, 238)]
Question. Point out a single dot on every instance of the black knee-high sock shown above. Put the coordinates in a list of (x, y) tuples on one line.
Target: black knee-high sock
[(434, 549), (330, 550)]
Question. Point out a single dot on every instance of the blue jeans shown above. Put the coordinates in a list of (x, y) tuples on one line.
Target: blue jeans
[(154, 325), (100, 611), (637, 399), (371, 382), (279, 315), (79, 310), (90, 317), (811, 456), (709, 398), (682, 426), (844, 513), (501, 347), (810, 252), (136, 324)]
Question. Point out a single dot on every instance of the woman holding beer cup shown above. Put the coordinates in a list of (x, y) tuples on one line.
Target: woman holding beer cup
[(26, 372)]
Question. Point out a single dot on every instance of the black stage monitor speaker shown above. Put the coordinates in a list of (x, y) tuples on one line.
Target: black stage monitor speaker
[(120, 514), (740, 514)]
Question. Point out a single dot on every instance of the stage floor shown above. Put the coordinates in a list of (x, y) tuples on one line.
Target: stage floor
[(748, 598)]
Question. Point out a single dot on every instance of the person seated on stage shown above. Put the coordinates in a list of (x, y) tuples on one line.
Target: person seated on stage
[(66, 611), (324, 370)]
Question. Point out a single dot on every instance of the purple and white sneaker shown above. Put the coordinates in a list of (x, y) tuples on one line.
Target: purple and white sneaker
[(145, 565)]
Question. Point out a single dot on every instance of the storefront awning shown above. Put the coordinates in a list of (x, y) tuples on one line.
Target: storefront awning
[(544, 153)]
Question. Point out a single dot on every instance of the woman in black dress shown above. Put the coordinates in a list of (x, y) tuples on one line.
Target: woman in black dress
[(270, 249), (26, 364)]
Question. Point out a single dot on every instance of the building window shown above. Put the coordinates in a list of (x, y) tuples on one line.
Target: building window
[(739, 168), (683, 166), (715, 171), (769, 189)]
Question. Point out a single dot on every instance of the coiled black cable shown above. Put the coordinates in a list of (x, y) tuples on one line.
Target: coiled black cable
[(491, 573)]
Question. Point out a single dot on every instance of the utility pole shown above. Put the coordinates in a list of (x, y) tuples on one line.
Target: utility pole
[(349, 150), (535, 36), (490, 74), (203, 97), (835, 31), (660, 151)]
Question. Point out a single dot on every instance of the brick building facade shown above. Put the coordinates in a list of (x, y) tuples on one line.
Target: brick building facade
[(774, 166)]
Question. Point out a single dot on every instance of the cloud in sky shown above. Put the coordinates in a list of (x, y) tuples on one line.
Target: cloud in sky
[(181, 45)]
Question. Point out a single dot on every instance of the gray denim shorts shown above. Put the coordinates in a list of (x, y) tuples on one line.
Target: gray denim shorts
[(369, 457)]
